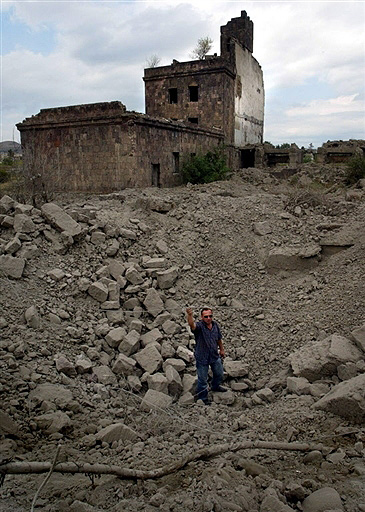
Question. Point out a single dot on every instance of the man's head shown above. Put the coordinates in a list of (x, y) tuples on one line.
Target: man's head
[(207, 315)]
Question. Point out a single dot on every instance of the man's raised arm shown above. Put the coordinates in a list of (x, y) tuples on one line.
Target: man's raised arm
[(189, 314)]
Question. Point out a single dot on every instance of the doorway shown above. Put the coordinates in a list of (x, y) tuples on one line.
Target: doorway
[(156, 175)]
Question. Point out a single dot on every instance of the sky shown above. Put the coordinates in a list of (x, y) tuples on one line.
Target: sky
[(58, 53)]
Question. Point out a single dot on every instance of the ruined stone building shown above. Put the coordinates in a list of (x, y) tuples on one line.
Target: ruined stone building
[(191, 107)]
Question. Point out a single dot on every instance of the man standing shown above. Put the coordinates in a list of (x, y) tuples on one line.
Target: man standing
[(209, 351)]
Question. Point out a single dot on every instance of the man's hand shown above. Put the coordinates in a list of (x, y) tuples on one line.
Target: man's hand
[(221, 353), (189, 311)]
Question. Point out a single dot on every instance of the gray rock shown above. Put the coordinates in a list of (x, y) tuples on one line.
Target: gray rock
[(185, 354), (97, 237), (347, 399), (153, 302), (153, 263), (320, 358), (31, 316), (171, 328), (98, 291), (262, 228), (13, 246), (133, 276), (175, 386), (83, 364), (56, 274), (12, 267), (189, 383), (151, 337), (298, 385), (128, 234), (235, 368), (292, 258), (266, 395), (159, 382), (124, 365), (130, 343), (23, 224), (178, 364), (59, 395), (116, 432), (7, 425), (149, 359), (347, 371), (272, 503), (115, 337), (104, 375), (322, 500), (116, 269), (155, 400), (358, 335), (6, 204), (134, 382), (186, 399), (60, 219), (167, 350), (226, 398), (53, 422), (166, 279), (63, 365)]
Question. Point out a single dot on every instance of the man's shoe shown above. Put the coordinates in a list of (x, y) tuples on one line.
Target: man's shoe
[(220, 389), (206, 402)]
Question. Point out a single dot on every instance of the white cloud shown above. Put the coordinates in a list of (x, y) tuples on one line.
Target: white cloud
[(337, 105)]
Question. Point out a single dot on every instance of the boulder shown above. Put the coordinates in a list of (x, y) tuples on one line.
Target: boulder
[(98, 291), (292, 258), (32, 317), (178, 364), (323, 500), (155, 400), (83, 364), (60, 219), (347, 399), (320, 358), (23, 224), (149, 359), (153, 302), (175, 386), (8, 425), (59, 395), (63, 365), (133, 276), (13, 246), (271, 503), (170, 328), (298, 385), (56, 274), (6, 204), (262, 228), (185, 354)]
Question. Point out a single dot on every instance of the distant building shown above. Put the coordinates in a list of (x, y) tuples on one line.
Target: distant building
[(191, 107)]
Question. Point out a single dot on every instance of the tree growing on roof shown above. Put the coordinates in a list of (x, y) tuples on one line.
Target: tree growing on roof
[(203, 46)]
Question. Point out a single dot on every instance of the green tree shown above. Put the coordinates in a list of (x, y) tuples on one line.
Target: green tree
[(203, 46)]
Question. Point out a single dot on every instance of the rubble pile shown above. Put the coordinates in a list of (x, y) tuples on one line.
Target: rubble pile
[(96, 352)]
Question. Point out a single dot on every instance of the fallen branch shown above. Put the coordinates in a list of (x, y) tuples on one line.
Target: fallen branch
[(46, 479), (135, 474)]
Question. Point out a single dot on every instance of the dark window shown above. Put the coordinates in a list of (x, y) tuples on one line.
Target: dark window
[(247, 158), (173, 95), (156, 175), (193, 92), (193, 120), (176, 156)]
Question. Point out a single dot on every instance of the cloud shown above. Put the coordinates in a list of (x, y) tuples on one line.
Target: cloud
[(337, 105)]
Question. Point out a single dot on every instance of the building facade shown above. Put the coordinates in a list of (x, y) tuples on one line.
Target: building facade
[(191, 107)]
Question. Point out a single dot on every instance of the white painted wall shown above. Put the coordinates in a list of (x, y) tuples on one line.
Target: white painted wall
[(249, 106)]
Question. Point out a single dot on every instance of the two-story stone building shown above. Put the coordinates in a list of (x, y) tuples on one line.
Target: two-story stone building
[(191, 107)]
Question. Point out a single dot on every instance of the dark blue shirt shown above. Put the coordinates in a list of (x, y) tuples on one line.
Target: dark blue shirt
[(206, 342)]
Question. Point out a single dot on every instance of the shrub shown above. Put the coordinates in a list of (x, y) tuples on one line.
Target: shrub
[(205, 168), (355, 170), (4, 175)]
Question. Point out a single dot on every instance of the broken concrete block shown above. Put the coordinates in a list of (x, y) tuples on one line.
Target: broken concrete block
[(347, 399), (53, 422), (6, 204), (171, 328), (60, 219), (166, 279), (298, 385), (262, 228), (13, 246), (12, 267), (149, 359), (57, 394), (153, 302), (83, 364), (167, 350), (155, 399), (8, 425), (63, 365), (189, 383), (178, 364), (133, 276), (186, 399), (56, 274), (185, 354)]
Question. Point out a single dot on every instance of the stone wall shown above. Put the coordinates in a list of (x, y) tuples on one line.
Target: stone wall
[(102, 147)]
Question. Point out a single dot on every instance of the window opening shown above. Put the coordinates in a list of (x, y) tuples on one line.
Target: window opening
[(173, 95), (193, 92), (193, 120)]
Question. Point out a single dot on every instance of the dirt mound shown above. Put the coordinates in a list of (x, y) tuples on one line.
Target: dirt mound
[(96, 354)]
